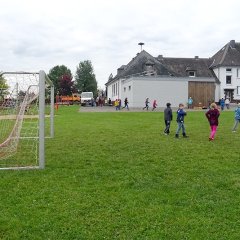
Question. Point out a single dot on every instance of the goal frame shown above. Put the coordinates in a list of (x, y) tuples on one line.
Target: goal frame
[(43, 79)]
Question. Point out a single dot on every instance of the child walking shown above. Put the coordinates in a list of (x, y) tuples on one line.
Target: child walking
[(167, 118), (180, 121), (146, 104), (126, 104), (237, 117), (154, 105), (212, 115)]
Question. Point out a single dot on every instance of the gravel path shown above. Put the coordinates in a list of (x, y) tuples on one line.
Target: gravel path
[(112, 109)]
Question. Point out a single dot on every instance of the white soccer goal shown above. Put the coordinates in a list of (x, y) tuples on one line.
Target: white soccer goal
[(26, 119)]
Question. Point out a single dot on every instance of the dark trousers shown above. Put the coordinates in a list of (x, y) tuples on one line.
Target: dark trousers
[(167, 124)]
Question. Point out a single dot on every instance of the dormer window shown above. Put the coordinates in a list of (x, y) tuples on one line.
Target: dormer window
[(228, 70), (191, 73), (149, 66)]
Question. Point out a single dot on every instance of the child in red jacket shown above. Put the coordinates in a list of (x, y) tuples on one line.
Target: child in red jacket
[(154, 105), (212, 115)]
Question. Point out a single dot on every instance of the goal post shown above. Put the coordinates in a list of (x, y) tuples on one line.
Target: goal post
[(43, 79), (26, 119)]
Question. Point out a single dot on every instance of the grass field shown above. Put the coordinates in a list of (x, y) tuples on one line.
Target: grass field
[(116, 176)]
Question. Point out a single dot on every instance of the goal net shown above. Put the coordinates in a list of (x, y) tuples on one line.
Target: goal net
[(26, 119)]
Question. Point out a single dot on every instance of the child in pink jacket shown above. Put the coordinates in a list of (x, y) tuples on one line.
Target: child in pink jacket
[(212, 115), (154, 105)]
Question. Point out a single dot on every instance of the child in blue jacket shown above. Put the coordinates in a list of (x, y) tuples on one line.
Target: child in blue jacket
[(237, 117), (180, 121)]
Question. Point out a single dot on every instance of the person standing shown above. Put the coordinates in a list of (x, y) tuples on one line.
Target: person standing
[(237, 118), (167, 118), (154, 105), (119, 104), (97, 101), (227, 103), (116, 104), (180, 121), (222, 104), (190, 103), (146, 104), (212, 116)]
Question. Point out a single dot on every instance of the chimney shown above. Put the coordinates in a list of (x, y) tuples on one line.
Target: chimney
[(160, 57), (232, 44), (196, 57)]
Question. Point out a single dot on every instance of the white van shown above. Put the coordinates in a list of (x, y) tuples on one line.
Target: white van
[(86, 98)]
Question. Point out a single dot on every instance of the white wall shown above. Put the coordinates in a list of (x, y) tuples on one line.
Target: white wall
[(127, 91), (163, 89), (221, 74), (116, 85), (217, 92), (173, 90)]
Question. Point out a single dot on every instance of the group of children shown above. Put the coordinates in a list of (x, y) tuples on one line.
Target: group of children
[(154, 106), (117, 104), (212, 115)]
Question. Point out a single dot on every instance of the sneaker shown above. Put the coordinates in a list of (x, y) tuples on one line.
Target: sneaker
[(233, 131), (211, 139)]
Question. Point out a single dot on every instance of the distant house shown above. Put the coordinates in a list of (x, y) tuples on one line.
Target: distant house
[(176, 79), (226, 66)]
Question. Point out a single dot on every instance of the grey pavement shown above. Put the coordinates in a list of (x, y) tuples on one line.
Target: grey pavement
[(159, 109)]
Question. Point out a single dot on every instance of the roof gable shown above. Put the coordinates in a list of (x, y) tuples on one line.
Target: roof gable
[(229, 55)]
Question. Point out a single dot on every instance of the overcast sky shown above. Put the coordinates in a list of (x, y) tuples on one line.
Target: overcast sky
[(38, 35)]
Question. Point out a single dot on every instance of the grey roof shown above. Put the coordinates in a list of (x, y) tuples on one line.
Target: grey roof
[(229, 55), (137, 67), (181, 66)]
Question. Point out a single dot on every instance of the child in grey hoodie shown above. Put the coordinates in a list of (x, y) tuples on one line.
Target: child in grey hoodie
[(167, 118)]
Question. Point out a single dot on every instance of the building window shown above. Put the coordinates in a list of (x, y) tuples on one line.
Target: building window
[(238, 90), (228, 79), (228, 70), (191, 74), (238, 72), (129, 88), (124, 89)]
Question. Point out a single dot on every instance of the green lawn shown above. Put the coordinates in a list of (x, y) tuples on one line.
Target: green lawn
[(116, 176)]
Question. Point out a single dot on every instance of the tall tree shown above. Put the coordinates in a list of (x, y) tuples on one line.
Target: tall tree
[(57, 74), (85, 78), (3, 86)]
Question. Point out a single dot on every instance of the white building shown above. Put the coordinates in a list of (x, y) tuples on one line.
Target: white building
[(226, 66), (174, 80)]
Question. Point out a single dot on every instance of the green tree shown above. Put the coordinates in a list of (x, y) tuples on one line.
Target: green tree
[(57, 74), (3, 86), (85, 78)]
